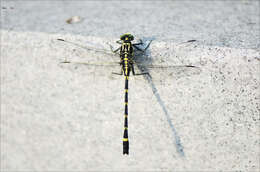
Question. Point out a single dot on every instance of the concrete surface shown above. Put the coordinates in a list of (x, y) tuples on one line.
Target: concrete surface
[(58, 117)]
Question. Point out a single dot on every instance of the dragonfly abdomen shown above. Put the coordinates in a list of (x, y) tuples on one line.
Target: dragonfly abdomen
[(125, 137)]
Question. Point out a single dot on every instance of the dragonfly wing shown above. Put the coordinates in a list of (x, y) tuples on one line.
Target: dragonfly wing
[(104, 69), (104, 51), (96, 64), (162, 72)]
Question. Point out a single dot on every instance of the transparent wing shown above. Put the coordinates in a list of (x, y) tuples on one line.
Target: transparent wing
[(78, 56), (104, 69), (100, 64), (143, 64), (104, 51), (168, 68), (165, 72)]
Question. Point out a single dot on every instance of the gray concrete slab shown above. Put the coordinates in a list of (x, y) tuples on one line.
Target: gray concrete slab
[(58, 117), (221, 23)]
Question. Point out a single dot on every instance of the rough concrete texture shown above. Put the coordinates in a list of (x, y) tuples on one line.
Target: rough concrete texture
[(65, 117)]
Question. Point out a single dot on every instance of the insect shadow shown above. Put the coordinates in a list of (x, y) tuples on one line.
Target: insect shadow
[(149, 79)]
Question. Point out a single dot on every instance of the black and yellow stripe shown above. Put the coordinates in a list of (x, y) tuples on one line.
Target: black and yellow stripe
[(125, 138), (126, 53)]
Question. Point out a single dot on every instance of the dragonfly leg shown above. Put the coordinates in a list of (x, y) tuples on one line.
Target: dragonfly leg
[(145, 73), (134, 45), (148, 45), (133, 70), (113, 51), (121, 73), (119, 42), (139, 43), (138, 48), (117, 73)]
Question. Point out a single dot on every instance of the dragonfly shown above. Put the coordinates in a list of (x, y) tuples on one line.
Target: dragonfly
[(127, 61)]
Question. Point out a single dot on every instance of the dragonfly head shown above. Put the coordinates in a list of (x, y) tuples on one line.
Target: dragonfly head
[(127, 37)]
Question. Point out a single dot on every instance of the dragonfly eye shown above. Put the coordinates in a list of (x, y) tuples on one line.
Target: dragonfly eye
[(131, 37), (127, 36)]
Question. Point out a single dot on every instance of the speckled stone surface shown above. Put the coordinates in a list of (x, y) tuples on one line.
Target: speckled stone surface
[(65, 117)]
